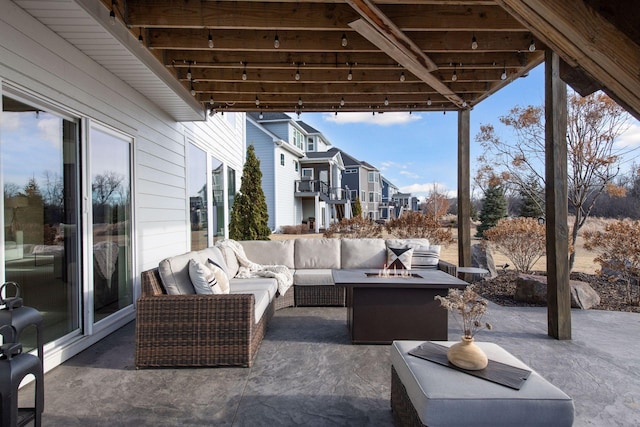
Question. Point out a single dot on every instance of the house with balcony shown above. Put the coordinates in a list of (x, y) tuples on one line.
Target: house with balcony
[(301, 179), (404, 202), (388, 205)]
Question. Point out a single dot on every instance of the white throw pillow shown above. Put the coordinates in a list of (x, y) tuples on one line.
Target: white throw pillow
[(221, 276), (399, 258), (203, 279), (425, 257)]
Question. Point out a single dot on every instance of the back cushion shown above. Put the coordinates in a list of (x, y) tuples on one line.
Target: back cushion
[(363, 253), (407, 243), (214, 254), (174, 273), (269, 252), (317, 253)]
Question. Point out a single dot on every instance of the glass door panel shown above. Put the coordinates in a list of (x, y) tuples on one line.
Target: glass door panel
[(198, 215), (39, 152), (217, 184), (110, 165)]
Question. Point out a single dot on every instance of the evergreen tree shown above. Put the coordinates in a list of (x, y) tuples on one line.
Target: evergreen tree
[(249, 215), (494, 208), (532, 200), (357, 208)]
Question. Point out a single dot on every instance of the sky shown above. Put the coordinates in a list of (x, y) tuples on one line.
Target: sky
[(419, 151)]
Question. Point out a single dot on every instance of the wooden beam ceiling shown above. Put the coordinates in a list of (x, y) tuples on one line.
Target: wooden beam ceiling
[(356, 50)]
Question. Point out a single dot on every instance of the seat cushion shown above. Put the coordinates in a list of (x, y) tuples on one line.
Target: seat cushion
[(363, 253), (254, 284), (313, 277), (269, 252), (262, 301), (317, 253)]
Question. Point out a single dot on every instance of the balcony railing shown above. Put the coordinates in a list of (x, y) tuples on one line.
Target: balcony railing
[(322, 188)]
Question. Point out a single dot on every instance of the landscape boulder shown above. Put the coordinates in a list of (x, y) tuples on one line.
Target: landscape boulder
[(533, 289), (481, 257)]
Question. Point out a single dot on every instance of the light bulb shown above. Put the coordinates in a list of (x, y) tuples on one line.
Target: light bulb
[(140, 38), (257, 101), (244, 74), (464, 103), (261, 116), (402, 77), (386, 101), (503, 76), (193, 90), (112, 17), (532, 46), (189, 74), (210, 41), (342, 101), (474, 43), (297, 76), (276, 42), (299, 101), (429, 101), (350, 75), (344, 40), (454, 77), (211, 101)]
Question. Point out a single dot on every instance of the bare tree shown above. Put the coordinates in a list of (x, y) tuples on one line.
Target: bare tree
[(437, 204), (53, 192), (105, 185), (593, 123)]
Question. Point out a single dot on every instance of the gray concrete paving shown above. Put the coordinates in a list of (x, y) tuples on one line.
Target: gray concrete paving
[(307, 373)]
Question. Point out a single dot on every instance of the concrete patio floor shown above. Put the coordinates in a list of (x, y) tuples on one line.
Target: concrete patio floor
[(308, 373)]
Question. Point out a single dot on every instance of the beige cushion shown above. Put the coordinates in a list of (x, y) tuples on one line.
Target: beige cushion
[(215, 254), (262, 301), (254, 284), (313, 277), (203, 279), (363, 253), (317, 253), (221, 276), (410, 243), (269, 252), (399, 258), (230, 260), (174, 273)]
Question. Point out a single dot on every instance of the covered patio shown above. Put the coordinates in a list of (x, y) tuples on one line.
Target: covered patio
[(308, 373)]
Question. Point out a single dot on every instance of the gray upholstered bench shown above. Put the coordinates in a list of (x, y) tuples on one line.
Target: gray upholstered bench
[(426, 393)]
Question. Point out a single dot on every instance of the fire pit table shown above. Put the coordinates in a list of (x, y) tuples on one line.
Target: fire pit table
[(384, 308)]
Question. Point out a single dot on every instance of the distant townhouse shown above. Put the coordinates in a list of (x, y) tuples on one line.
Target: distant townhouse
[(301, 179), (405, 202), (388, 205)]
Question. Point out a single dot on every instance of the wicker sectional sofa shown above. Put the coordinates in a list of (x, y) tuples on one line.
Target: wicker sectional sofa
[(176, 327)]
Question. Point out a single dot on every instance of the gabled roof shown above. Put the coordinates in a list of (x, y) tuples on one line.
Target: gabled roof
[(346, 158), (324, 156)]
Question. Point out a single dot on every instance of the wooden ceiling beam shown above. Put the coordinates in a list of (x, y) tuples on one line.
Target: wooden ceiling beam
[(331, 41), (328, 99), (305, 16), (582, 37)]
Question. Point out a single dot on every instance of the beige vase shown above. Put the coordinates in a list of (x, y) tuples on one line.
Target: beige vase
[(467, 355)]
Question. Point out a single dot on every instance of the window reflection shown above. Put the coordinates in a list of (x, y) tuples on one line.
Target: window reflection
[(197, 167)]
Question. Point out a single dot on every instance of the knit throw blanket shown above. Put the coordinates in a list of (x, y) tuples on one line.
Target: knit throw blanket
[(249, 269)]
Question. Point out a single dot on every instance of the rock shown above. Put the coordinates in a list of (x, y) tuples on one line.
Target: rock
[(482, 258), (533, 289)]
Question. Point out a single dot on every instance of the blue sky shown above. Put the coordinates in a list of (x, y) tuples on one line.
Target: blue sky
[(416, 151)]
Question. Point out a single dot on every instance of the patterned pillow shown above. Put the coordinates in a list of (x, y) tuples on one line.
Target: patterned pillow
[(425, 257), (399, 258), (203, 279), (221, 276)]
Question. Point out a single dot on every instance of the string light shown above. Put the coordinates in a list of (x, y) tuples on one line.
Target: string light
[(276, 41), (210, 40), (189, 72), (211, 101), (244, 73), (112, 13), (344, 40), (429, 101), (342, 101), (532, 46), (257, 101), (350, 75), (464, 103), (454, 77), (402, 77), (503, 76), (193, 90), (386, 101), (474, 42), (261, 116), (299, 100), (297, 76), (140, 38)]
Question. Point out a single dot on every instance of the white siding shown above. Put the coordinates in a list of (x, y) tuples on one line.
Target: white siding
[(286, 204), (34, 59)]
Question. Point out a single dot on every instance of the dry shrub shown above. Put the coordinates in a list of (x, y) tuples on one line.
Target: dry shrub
[(618, 248), (418, 225), (356, 227), (593, 224), (295, 229), (522, 240)]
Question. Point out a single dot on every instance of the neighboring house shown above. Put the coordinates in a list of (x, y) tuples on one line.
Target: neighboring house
[(405, 202), (387, 205), (300, 178), (363, 181), (107, 170)]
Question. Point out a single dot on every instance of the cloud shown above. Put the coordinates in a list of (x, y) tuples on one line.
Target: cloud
[(386, 119), (423, 190), (409, 174), (630, 139), (50, 130), (11, 121)]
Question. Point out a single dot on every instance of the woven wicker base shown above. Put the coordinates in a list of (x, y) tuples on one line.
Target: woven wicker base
[(325, 295), (403, 411), (286, 300)]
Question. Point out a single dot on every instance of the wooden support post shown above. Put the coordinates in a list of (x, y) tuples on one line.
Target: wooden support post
[(464, 190), (558, 291)]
